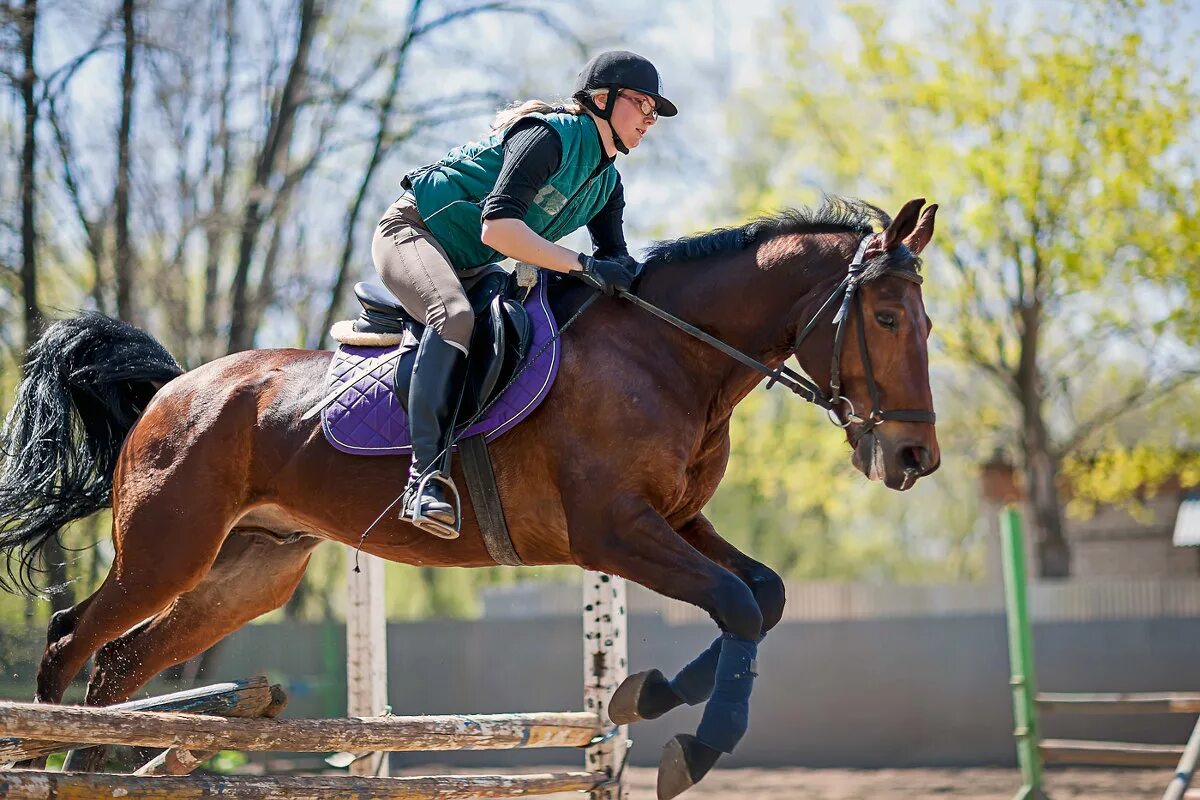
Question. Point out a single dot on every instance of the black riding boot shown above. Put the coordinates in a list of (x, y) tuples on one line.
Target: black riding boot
[(431, 499)]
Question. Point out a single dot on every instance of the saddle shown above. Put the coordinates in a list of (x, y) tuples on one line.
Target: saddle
[(499, 344)]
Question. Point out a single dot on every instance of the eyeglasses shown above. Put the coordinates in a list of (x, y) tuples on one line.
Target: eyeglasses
[(644, 104)]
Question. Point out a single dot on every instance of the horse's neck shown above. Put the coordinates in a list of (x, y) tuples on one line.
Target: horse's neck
[(750, 300)]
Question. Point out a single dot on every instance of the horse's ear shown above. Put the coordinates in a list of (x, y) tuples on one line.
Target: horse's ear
[(921, 235), (903, 224)]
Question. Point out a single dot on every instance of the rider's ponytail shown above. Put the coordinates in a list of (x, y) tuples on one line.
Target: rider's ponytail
[(511, 113)]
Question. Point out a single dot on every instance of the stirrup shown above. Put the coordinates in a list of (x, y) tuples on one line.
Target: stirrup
[(428, 524)]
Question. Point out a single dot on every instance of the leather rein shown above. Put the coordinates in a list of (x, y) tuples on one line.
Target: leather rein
[(800, 384)]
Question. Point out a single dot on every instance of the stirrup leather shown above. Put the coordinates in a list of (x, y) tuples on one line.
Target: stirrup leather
[(428, 524)]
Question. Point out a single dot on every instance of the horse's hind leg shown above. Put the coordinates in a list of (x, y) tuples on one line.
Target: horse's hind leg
[(164, 546), (254, 573)]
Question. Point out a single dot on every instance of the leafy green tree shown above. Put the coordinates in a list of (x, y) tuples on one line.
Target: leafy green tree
[(1060, 142)]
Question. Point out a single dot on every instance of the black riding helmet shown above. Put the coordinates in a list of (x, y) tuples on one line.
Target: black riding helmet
[(615, 70)]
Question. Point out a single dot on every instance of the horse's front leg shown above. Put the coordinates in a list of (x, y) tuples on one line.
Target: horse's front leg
[(642, 547), (649, 694)]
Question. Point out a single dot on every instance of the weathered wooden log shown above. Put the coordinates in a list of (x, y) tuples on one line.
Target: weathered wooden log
[(183, 762), (88, 786), (175, 762), (1120, 703), (1113, 754), (91, 725), (248, 698)]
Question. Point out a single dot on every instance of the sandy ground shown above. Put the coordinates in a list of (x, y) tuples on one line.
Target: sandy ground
[(975, 784), (908, 784)]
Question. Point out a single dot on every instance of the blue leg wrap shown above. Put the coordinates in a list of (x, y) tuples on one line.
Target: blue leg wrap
[(727, 714), (694, 683)]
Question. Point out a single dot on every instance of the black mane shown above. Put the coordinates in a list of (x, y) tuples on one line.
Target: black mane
[(835, 215)]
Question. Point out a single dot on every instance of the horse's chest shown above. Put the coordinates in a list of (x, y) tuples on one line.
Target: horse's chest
[(701, 476)]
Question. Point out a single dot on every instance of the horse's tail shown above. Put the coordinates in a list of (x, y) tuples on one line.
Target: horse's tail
[(86, 381)]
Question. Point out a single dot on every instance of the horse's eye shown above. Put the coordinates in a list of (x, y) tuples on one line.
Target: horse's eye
[(886, 319)]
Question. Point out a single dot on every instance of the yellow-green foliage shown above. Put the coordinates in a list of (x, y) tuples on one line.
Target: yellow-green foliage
[(1124, 476), (1059, 140), (792, 499)]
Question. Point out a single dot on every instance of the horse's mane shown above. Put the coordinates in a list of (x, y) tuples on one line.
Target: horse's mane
[(835, 215)]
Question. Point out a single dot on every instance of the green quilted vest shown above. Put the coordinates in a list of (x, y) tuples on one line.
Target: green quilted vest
[(450, 193)]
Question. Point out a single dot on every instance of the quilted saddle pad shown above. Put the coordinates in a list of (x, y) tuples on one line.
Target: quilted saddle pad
[(366, 418)]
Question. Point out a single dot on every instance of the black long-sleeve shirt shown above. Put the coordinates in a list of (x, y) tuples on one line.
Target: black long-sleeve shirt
[(532, 154)]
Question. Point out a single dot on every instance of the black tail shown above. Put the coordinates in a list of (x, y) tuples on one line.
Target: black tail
[(86, 381)]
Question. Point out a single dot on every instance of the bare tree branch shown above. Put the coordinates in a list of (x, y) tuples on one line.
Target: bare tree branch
[(273, 149), (378, 151), (547, 19), (93, 229), (1142, 394), (57, 81)]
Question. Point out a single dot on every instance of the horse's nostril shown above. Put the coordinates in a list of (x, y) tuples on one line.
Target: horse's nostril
[(916, 459)]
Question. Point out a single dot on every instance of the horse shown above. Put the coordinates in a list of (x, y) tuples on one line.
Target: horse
[(220, 491)]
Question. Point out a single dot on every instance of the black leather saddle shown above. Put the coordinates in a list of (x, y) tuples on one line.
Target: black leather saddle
[(499, 343)]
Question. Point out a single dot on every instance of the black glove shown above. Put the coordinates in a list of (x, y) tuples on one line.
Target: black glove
[(604, 274), (625, 259)]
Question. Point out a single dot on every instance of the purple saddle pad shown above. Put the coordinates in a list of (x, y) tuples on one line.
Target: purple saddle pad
[(366, 419)]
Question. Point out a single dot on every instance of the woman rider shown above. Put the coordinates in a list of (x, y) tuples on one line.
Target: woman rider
[(544, 172)]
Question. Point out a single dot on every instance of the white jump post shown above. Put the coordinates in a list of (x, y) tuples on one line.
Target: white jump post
[(605, 664), (366, 650)]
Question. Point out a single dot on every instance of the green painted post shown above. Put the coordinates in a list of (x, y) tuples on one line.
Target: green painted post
[(1020, 655)]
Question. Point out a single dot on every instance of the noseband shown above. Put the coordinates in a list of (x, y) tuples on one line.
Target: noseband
[(800, 384)]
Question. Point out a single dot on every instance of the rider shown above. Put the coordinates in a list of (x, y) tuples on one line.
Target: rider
[(543, 172)]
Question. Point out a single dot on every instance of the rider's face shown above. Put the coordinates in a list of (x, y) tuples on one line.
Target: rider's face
[(633, 115)]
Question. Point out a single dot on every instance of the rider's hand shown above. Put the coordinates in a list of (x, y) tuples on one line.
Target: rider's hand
[(607, 275)]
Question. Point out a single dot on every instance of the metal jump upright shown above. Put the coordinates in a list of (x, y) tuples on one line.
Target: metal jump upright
[(1032, 750), (1020, 656)]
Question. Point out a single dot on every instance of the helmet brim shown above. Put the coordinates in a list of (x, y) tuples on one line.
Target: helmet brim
[(662, 105)]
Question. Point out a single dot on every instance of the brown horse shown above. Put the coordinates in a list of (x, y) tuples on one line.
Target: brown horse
[(220, 493)]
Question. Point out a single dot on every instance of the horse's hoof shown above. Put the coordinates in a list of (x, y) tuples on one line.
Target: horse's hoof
[(685, 760), (646, 695)]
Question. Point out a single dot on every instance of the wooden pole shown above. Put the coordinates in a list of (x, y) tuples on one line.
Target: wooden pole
[(605, 665), (86, 786), (92, 725), (1120, 703), (366, 651), (1111, 754), (178, 761), (248, 698), (1187, 765)]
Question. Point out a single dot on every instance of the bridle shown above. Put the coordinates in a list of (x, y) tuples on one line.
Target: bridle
[(800, 384)]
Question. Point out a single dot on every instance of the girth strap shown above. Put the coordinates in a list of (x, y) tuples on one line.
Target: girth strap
[(485, 497)]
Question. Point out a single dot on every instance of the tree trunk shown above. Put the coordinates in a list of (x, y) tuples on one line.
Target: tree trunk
[(279, 134), (1041, 478), (378, 151), (32, 311), (1040, 463), (53, 556), (214, 229), (124, 267)]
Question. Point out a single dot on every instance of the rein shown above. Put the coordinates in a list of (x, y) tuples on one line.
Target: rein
[(800, 384)]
